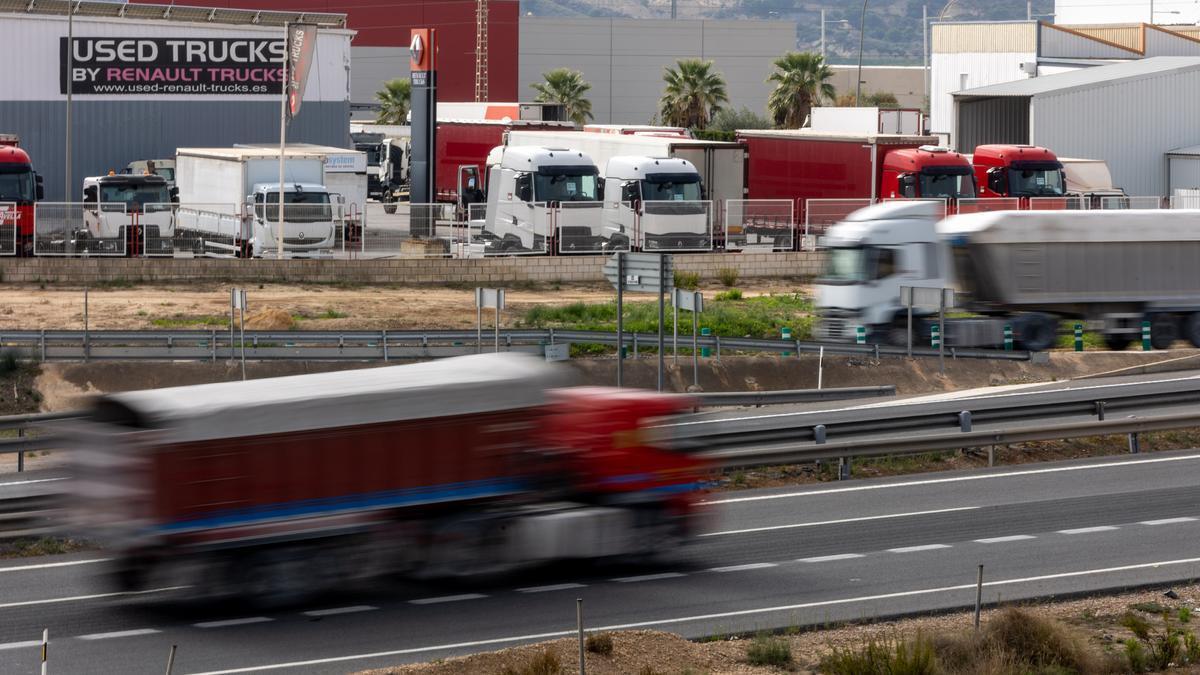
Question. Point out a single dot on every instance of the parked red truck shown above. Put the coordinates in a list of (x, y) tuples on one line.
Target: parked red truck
[(20, 188), (273, 487), (1021, 171)]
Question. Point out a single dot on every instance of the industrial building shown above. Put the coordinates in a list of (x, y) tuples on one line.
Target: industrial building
[(151, 78), (1132, 115), (1126, 11)]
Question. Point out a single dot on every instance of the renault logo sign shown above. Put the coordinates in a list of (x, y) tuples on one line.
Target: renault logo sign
[(417, 49)]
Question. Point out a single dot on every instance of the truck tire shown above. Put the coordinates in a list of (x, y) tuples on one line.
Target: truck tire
[(1164, 330), (388, 207), (1191, 328), (1117, 342), (1036, 332)]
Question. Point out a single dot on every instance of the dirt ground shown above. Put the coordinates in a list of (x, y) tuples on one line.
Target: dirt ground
[(1096, 620), (312, 307)]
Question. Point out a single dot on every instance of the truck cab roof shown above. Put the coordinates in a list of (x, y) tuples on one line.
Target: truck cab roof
[(632, 167), (532, 158), (913, 160), (888, 223), (290, 187), (125, 179), (10, 154), (1006, 155)]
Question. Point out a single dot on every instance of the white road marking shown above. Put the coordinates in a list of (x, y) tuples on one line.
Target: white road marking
[(20, 645), (1004, 540), (743, 568), (831, 558), (649, 577), (1168, 521), (31, 482), (447, 598), (956, 479), (42, 566), (915, 549), (334, 611), (704, 617), (1089, 530), (120, 634), (74, 598), (551, 587), (233, 622), (841, 521)]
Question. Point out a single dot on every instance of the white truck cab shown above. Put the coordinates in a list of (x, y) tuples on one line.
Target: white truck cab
[(657, 203), (524, 184), (872, 253), (308, 218), (127, 214)]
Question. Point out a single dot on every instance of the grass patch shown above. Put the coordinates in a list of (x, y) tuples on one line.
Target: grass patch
[(182, 321), (688, 281), (40, 546), (728, 277), (600, 643), (767, 650), (545, 663), (1148, 607), (1091, 341), (916, 657), (758, 317), (327, 314), (731, 294)]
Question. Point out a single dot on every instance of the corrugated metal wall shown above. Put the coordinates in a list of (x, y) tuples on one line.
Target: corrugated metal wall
[(1185, 173), (1130, 124), (623, 59), (1129, 36), (110, 134), (993, 120), (992, 36), (1169, 43), (979, 69), (1059, 43)]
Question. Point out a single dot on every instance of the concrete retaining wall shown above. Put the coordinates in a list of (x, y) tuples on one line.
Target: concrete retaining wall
[(394, 271)]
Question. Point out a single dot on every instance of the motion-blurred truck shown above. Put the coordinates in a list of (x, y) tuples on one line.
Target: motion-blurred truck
[(277, 488), (229, 201), (20, 189), (1026, 270)]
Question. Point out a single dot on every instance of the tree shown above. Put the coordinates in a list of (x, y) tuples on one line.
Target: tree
[(801, 81), (394, 100), (567, 88), (728, 119), (878, 99), (692, 95)]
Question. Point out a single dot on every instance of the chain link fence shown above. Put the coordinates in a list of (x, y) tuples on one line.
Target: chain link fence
[(583, 227), (760, 224), (820, 214), (986, 205), (80, 229), (10, 219), (1071, 203)]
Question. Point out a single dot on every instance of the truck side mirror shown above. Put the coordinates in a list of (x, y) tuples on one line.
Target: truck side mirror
[(908, 185), (997, 181), (524, 187), (39, 191), (89, 193), (174, 192)]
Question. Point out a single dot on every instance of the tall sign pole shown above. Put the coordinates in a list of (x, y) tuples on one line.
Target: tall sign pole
[(422, 52), (283, 120), (299, 45), (70, 83)]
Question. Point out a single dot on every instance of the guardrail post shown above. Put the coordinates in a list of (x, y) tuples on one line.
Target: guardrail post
[(212, 343), (797, 349), (819, 434), (1146, 336), (705, 351), (20, 453), (579, 625), (978, 597), (385, 346), (718, 340), (785, 334), (1008, 338), (876, 352), (964, 421), (1134, 444), (1078, 337), (42, 343), (843, 468), (635, 346), (1100, 411)]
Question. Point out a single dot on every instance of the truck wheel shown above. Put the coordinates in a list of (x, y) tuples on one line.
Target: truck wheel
[(1037, 332), (1164, 331), (388, 208), (1191, 329), (1117, 342)]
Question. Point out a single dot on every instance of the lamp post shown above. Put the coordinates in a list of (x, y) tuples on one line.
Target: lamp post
[(862, 33), (823, 22)]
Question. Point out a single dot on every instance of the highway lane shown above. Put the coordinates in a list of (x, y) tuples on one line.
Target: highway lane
[(834, 552)]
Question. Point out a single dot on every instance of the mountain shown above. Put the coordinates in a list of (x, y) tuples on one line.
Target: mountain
[(893, 32)]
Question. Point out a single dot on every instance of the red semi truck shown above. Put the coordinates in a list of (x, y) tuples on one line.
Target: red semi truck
[(1021, 171), (799, 165), (20, 188), (470, 465)]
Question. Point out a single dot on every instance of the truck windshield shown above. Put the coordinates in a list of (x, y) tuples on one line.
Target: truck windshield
[(568, 184), (846, 266), (136, 196), (1036, 180), (16, 183), (372, 153), (668, 187), (947, 183), (299, 207)]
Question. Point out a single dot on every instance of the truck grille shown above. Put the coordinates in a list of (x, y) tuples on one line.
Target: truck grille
[(302, 241), (835, 329)]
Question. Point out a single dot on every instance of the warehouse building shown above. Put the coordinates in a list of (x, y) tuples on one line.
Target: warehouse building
[(1132, 115), (148, 79)]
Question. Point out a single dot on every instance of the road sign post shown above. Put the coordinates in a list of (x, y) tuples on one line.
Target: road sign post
[(640, 273), (484, 298), (691, 301), (620, 317), (662, 269)]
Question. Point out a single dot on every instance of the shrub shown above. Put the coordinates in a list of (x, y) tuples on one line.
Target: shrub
[(1136, 625), (600, 643), (1191, 647), (688, 281), (1136, 655), (1148, 607), (899, 657), (545, 663), (768, 651), (1185, 615), (1039, 642), (731, 294), (728, 276)]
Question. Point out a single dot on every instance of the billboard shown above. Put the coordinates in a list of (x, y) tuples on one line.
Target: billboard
[(149, 66)]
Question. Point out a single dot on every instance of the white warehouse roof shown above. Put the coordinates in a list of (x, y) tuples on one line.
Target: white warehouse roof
[(1085, 78)]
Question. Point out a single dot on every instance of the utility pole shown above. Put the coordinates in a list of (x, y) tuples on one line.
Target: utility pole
[(481, 50), (674, 9), (822, 34), (925, 52), (70, 85), (862, 34), (1029, 10)]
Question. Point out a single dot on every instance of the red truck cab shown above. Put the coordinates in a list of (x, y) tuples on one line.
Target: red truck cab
[(20, 188), (927, 172), (1018, 171)]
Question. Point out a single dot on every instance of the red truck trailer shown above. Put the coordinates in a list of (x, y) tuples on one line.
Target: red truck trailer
[(443, 468), (1021, 171), (799, 165), (20, 188)]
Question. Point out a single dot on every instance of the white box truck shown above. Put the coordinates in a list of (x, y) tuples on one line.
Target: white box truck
[(229, 201)]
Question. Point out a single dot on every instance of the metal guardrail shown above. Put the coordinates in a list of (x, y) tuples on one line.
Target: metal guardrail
[(760, 398), (213, 345)]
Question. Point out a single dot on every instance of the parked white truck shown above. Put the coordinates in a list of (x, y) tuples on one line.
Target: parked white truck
[(655, 203), (1028, 270), (124, 214), (229, 201)]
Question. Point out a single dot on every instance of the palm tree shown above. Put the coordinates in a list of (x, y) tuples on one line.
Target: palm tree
[(692, 95), (394, 100), (565, 87), (801, 81)]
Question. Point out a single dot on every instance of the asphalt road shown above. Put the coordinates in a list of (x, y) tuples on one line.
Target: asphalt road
[(773, 558)]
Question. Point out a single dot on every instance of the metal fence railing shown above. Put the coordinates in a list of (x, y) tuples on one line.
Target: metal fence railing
[(407, 230), (10, 219), (1056, 203), (1186, 199), (760, 224), (674, 225), (83, 229), (982, 204), (821, 214), (583, 228)]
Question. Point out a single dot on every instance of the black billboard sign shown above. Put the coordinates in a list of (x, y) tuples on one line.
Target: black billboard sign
[(155, 66)]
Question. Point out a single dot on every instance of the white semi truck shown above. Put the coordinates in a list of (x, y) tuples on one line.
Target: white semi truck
[(1027, 270), (229, 201), (656, 203), (124, 214)]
